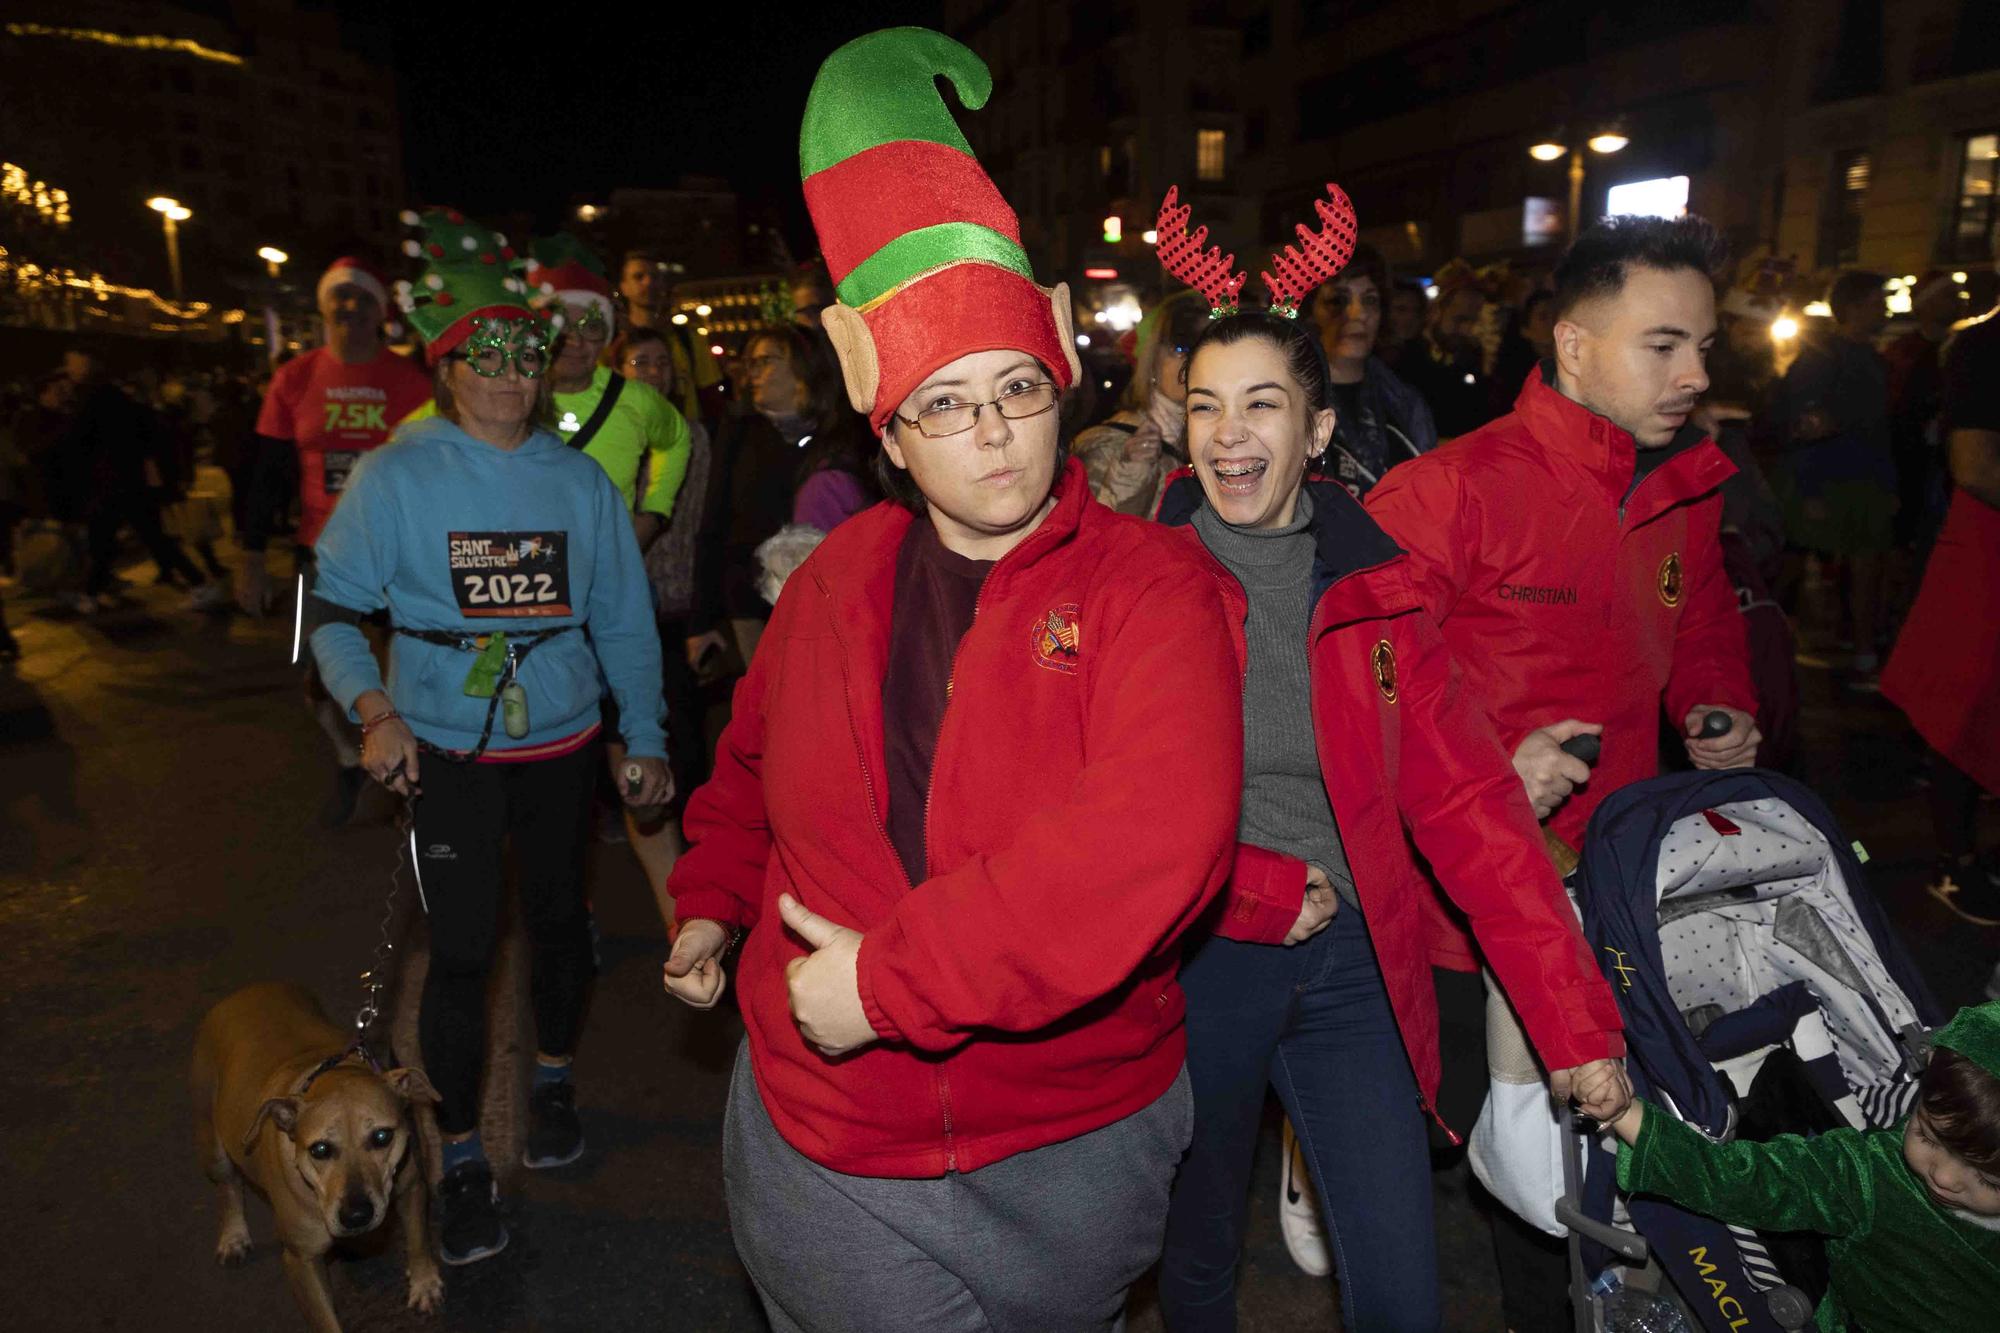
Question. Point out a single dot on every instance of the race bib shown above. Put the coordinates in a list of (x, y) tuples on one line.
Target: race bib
[(510, 574), (334, 467)]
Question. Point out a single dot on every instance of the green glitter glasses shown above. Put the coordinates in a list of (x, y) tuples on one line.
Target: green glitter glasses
[(494, 343), (588, 323)]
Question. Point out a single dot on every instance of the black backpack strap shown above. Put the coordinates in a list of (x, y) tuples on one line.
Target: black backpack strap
[(584, 436)]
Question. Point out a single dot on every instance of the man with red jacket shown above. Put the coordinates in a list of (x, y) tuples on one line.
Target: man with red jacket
[(1570, 550)]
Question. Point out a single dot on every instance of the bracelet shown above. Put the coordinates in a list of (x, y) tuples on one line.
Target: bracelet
[(391, 716)]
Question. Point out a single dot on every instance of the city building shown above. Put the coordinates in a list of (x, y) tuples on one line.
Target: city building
[(1427, 115), (122, 101), (1097, 109), (696, 228), (1890, 150), (1835, 131)]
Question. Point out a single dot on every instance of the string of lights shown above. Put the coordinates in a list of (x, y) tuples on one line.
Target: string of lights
[(186, 46)]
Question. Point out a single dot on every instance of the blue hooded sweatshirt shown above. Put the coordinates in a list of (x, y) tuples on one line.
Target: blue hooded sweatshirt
[(453, 534)]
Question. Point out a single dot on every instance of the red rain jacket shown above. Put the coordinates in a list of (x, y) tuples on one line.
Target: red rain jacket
[(1082, 814), (1564, 589), (1408, 755)]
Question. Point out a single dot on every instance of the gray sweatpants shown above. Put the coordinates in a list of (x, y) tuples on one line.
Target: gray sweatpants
[(1047, 1241)]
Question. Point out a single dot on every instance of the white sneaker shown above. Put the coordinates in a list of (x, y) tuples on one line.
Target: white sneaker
[(1298, 1212)]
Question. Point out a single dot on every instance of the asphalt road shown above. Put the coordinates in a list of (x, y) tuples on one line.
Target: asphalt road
[(159, 847)]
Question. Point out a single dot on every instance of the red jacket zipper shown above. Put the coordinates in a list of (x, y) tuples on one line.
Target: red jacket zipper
[(861, 750), (1315, 629), (951, 679)]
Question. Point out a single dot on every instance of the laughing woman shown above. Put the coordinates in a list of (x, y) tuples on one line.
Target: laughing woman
[(1357, 737), (935, 810)]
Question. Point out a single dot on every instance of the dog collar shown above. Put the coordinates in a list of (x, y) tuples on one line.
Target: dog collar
[(359, 1048)]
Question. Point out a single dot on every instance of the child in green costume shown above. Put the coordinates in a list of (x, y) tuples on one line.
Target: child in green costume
[(1912, 1214)]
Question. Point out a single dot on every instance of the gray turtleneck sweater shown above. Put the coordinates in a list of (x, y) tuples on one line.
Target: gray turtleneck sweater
[(1284, 798)]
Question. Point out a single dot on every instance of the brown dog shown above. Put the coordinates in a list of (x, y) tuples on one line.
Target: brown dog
[(322, 1142)]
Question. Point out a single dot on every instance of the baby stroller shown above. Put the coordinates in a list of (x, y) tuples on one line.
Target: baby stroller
[(1763, 992)]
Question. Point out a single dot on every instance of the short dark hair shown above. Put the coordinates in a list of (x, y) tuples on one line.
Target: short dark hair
[(1297, 340), (1854, 289), (1597, 263), (643, 256), (1367, 262), (629, 337), (1961, 1100)]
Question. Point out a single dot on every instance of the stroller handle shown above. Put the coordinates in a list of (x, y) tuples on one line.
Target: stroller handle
[(1627, 1245), (1588, 748)]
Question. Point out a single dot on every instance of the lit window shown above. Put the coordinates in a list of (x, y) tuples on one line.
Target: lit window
[(1841, 210), (1976, 220), (1210, 154)]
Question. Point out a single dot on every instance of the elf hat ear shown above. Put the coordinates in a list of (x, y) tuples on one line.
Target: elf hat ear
[(855, 346), (1065, 315)]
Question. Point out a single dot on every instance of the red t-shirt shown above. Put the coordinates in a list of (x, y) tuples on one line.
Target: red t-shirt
[(333, 413)]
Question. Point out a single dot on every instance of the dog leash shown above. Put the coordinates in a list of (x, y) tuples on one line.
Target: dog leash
[(375, 979)]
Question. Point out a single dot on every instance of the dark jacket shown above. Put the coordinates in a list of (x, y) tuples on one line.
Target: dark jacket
[(754, 476), (1395, 426)]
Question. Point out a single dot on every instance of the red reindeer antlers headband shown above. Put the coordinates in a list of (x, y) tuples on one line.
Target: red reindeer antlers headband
[(1209, 272), (1316, 259)]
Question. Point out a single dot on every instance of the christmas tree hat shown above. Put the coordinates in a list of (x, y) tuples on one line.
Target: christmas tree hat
[(925, 255), (565, 268), (470, 275)]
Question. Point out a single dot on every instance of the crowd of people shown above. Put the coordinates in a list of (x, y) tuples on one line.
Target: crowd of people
[(1346, 575)]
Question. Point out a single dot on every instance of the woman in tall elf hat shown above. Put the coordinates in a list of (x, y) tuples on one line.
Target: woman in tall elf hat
[(935, 810), (494, 547), (1357, 739)]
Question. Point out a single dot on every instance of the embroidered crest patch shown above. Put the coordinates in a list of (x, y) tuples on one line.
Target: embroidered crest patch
[(1383, 660), (1056, 639), (1670, 579)]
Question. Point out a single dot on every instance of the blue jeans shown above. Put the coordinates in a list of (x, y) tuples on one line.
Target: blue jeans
[(1313, 1021)]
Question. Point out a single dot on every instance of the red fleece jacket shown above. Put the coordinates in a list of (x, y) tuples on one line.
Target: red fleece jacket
[(1082, 814), (1564, 589), (1411, 766)]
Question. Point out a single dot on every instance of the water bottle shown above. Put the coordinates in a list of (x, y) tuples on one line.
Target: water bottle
[(1623, 1309)]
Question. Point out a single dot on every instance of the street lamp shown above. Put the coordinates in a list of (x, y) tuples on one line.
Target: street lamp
[(272, 257), (172, 214), (1608, 140)]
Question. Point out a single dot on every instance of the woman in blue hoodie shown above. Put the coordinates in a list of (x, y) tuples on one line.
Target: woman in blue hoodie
[(494, 547)]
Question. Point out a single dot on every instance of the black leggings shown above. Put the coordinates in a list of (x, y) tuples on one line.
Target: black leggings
[(465, 813)]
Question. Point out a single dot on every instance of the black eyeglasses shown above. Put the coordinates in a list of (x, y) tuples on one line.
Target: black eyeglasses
[(939, 422)]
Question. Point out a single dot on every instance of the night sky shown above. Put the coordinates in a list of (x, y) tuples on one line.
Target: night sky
[(511, 107)]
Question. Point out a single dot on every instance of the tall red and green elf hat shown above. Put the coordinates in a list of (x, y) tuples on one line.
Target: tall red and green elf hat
[(925, 255)]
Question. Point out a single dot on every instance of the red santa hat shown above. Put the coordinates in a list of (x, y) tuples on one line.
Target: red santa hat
[(563, 267), (360, 273)]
